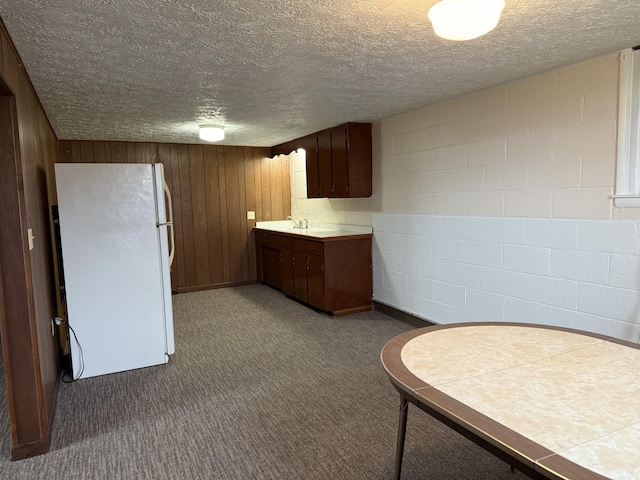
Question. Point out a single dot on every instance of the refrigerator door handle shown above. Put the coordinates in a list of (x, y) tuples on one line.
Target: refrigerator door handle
[(169, 223)]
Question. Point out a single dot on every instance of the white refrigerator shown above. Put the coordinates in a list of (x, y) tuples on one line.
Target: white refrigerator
[(116, 231)]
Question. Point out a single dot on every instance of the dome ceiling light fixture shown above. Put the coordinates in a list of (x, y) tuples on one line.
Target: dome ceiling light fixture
[(465, 19), (211, 133)]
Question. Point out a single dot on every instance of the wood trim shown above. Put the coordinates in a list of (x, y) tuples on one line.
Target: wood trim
[(404, 317), (32, 367), (30, 449), (198, 288), (478, 438), (351, 311), (27, 412)]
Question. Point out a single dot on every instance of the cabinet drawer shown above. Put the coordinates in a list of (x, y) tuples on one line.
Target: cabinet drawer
[(299, 245), (272, 240), (284, 242), (262, 238), (315, 248), (280, 241)]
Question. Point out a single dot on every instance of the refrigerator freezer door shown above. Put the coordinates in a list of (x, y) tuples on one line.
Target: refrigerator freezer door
[(113, 268), (165, 217), (165, 210)]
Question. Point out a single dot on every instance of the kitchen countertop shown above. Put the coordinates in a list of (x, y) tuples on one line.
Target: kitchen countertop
[(315, 230)]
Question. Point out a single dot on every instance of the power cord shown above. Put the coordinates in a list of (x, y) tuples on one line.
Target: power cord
[(59, 321)]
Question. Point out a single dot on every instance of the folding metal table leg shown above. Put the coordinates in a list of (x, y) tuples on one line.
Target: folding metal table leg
[(402, 430)]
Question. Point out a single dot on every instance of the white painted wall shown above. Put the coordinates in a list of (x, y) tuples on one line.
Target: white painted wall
[(496, 206)]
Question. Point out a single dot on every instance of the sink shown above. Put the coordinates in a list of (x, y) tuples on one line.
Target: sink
[(317, 230), (299, 229)]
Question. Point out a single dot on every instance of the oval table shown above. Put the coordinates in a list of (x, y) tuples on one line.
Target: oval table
[(554, 403)]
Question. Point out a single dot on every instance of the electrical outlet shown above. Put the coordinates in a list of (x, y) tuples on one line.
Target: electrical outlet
[(251, 215)]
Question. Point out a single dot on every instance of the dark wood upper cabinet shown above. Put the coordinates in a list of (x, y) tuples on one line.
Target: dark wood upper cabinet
[(338, 160), (339, 165), (324, 164), (313, 166)]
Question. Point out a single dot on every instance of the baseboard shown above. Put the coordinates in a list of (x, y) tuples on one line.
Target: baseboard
[(54, 405), (350, 311), (404, 317), (198, 288), (39, 447), (28, 450)]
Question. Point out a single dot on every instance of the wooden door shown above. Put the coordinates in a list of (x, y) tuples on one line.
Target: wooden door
[(339, 168), (300, 276), (313, 172), (272, 266), (359, 156), (315, 281), (286, 272), (324, 164)]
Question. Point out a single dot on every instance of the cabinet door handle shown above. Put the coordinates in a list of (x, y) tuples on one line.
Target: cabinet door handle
[(307, 264)]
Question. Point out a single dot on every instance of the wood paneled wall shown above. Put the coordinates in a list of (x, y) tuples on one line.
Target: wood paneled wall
[(28, 297), (212, 188)]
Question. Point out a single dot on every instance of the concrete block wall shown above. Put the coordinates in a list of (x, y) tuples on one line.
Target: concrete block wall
[(570, 273), (542, 147), (497, 206)]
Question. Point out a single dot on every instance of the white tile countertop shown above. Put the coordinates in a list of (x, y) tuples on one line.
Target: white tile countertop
[(316, 230)]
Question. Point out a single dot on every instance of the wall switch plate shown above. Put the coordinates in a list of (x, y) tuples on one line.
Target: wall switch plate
[(31, 237), (251, 215)]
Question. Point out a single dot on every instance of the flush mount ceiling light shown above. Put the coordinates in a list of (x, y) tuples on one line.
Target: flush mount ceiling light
[(211, 133), (465, 19)]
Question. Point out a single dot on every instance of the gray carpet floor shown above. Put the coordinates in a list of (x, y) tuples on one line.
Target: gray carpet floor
[(261, 387)]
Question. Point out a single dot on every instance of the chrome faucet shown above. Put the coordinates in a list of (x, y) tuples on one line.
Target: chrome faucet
[(303, 223), (296, 224)]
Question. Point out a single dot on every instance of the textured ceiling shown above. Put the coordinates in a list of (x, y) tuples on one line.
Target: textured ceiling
[(271, 71)]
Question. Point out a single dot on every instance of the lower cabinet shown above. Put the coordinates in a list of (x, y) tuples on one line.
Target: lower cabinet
[(286, 272), (332, 274), (309, 273), (272, 267)]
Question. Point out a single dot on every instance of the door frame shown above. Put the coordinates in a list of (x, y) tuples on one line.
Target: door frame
[(30, 429)]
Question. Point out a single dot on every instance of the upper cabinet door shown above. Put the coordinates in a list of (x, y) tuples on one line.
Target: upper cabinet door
[(313, 173), (324, 163), (338, 161), (339, 168), (359, 159)]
